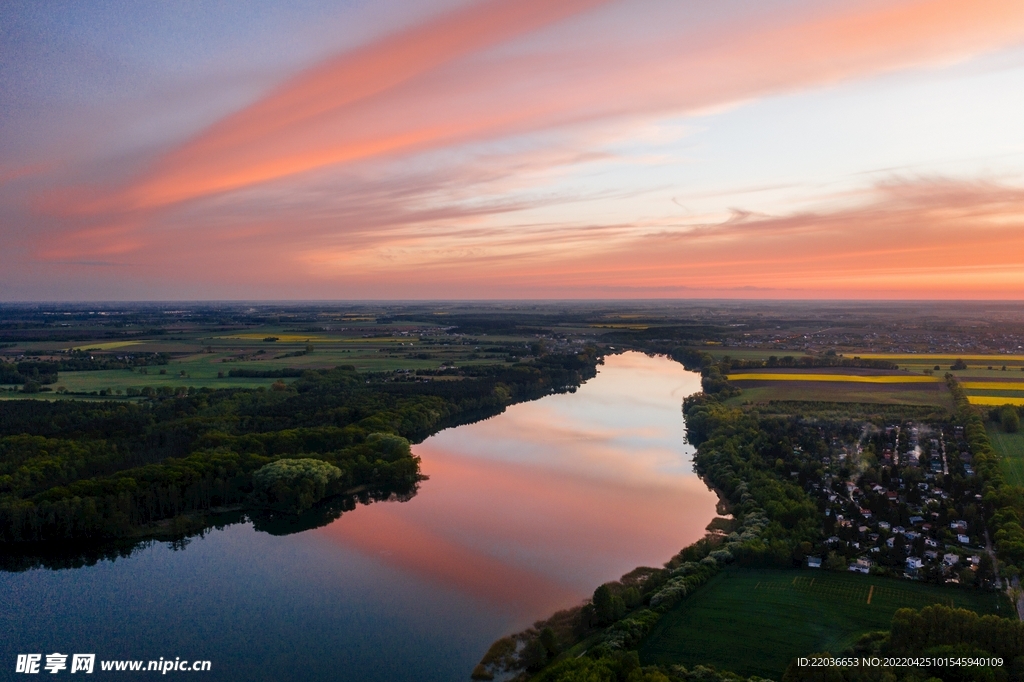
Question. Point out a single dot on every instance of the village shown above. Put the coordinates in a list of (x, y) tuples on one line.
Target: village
[(903, 501)]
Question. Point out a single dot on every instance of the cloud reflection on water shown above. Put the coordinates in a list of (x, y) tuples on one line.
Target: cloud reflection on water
[(535, 507)]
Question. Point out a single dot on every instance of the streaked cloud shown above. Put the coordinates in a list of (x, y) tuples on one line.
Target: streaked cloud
[(491, 136)]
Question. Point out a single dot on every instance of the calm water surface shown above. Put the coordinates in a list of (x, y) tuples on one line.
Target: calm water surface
[(523, 514)]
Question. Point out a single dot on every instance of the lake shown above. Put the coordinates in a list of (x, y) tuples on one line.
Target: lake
[(523, 514)]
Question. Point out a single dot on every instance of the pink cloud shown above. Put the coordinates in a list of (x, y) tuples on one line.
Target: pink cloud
[(443, 83), (253, 193)]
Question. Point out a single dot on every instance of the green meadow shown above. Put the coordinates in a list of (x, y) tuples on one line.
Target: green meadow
[(1010, 447), (754, 621), (894, 394), (205, 358)]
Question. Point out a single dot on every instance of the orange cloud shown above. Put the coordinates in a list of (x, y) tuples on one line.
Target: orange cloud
[(916, 239), (927, 238)]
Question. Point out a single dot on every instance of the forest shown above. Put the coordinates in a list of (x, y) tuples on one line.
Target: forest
[(81, 470)]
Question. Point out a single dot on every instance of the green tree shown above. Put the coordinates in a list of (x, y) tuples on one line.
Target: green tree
[(604, 605), (550, 642), (1009, 419), (388, 446), (294, 484), (534, 655)]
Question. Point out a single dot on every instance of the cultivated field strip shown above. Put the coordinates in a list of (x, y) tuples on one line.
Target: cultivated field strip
[(995, 400), (839, 378), (929, 357), (882, 596)]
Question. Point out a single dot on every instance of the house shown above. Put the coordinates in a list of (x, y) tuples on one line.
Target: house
[(914, 563), (814, 562), (963, 539), (931, 555), (931, 542), (949, 558), (914, 520), (958, 525), (884, 525), (866, 513), (861, 566)]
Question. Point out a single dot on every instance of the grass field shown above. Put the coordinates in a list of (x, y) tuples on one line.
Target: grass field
[(754, 621), (939, 358), (749, 353), (199, 358), (839, 378), (933, 395), (1010, 447)]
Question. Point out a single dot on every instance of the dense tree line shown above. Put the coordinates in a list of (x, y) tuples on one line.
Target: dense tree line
[(934, 631), (74, 470), (45, 371), (696, 359), (28, 371), (83, 361), (1005, 502), (267, 373)]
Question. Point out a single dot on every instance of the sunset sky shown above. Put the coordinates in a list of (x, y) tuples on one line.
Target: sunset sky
[(251, 149)]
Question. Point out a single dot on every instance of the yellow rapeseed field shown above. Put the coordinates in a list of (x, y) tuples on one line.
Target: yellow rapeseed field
[(993, 385), (852, 378), (994, 400), (109, 345)]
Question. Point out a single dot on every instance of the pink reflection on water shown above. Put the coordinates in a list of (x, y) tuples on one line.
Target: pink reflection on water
[(537, 506)]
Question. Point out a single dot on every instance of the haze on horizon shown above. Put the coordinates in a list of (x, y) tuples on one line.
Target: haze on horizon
[(512, 149)]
